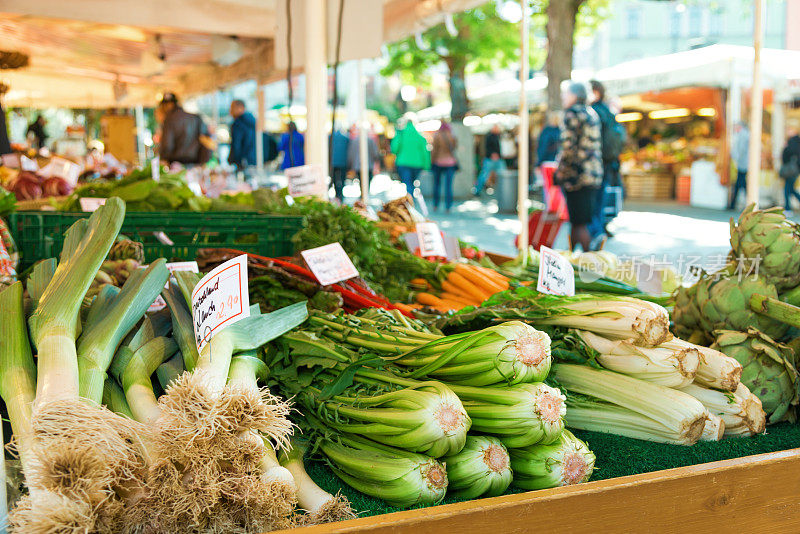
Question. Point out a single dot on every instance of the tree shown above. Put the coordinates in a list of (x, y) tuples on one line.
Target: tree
[(483, 42)]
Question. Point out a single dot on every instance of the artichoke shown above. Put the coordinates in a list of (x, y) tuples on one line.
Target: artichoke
[(686, 314), (768, 369), (769, 244), (126, 249)]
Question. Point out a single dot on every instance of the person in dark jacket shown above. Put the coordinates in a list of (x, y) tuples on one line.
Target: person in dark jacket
[(580, 168), (610, 156), (791, 152), (36, 129), (181, 134), (5, 145), (549, 140), (339, 149), (292, 145), (243, 136), (492, 162)]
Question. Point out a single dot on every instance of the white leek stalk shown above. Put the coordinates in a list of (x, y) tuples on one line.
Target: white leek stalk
[(665, 366), (740, 410), (567, 461), (481, 468), (716, 370), (136, 378)]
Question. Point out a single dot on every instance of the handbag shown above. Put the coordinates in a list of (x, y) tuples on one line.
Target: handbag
[(789, 169)]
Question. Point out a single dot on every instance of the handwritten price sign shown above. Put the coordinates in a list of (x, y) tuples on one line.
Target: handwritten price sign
[(430, 240), (556, 275), (220, 299), (330, 263), (306, 180)]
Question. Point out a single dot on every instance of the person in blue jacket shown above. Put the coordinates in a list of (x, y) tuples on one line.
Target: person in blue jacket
[(293, 147), (549, 140), (243, 136), (340, 144)]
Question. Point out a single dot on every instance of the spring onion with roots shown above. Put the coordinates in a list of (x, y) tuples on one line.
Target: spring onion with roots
[(672, 367), (328, 381), (481, 468), (508, 353), (715, 370), (320, 506), (714, 429), (399, 477), (567, 461), (641, 322), (606, 401), (740, 410)]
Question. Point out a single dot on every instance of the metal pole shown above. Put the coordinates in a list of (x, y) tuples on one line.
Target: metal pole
[(756, 109), (139, 114), (260, 120), (363, 155), (523, 133), (316, 70)]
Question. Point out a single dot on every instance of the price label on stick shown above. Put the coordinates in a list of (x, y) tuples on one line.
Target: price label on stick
[(91, 204), (430, 240), (556, 275), (330, 264), (307, 180), (220, 299)]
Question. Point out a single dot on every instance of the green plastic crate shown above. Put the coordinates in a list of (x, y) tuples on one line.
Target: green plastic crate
[(176, 236)]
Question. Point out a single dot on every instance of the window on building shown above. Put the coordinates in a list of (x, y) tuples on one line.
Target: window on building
[(715, 22), (695, 21), (634, 22)]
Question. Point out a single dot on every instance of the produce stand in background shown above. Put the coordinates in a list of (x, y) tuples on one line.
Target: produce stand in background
[(648, 185), (172, 235)]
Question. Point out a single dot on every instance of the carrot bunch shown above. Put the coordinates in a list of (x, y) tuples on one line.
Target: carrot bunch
[(465, 285)]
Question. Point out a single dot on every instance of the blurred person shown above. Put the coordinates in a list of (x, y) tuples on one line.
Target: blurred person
[(444, 165), (740, 149), (508, 148), (340, 145), (36, 131), (292, 145), (580, 167), (612, 140), (412, 154), (243, 136), (5, 144), (492, 162), (549, 140), (182, 135), (354, 154), (790, 168)]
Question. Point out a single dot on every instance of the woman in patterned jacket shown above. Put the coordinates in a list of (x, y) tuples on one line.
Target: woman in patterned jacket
[(580, 167)]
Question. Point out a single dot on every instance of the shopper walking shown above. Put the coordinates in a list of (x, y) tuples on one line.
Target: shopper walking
[(292, 145), (354, 154), (492, 162), (340, 144), (790, 169), (37, 133), (580, 168), (549, 140), (612, 140), (183, 135), (444, 165), (243, 137), (740, 149), (412, 154)]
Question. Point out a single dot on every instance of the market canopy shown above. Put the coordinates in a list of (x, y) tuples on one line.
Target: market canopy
[(119, 53)]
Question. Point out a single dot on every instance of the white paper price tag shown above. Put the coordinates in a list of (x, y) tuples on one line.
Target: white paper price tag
[(306, 180), (91, 204), (330, 264), (220, 299), (155, 168), (430, 240), (191, 266), (556, 275)]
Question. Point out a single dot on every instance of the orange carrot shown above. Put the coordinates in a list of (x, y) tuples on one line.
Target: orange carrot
[(403, 307), (498, 277), (428, 299), (419, 281), (459, 298), (467, 287), (452, 305), (480, 280)]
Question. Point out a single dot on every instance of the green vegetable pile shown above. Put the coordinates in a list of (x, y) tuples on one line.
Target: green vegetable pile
[(8, 202)]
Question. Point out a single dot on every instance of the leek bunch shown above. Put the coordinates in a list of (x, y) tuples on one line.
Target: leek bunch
[(508, 353), (481, 468), (565, 462), (606, 401), (641, 322)]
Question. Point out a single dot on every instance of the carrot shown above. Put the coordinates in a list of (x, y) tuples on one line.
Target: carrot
[(428, 299), (453, 289), (403, 307), (499, 277), (453, 305), (480, 280), (467, 287), (459, 298), (419, 282)]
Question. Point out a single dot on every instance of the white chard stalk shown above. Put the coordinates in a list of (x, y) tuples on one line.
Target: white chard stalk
[(740, 410), (716, 370), (714, 428)]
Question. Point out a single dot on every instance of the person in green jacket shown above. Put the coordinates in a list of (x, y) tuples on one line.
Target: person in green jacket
[(412, 154)]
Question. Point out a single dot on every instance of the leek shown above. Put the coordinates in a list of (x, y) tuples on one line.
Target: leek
[(170, 371), (567, 461), (629, 407), (114, 398), (153, 325), (399, 477), (136, 378), (715, 370), (183, 331), (481, 468), (740, 410)]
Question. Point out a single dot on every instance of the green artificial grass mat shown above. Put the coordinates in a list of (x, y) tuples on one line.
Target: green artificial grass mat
[(617, 456)]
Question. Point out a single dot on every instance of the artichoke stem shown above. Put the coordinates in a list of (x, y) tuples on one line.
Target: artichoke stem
[(775, 309)]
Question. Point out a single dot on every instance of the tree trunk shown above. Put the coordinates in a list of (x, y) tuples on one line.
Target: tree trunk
[(458, 90), (561, 15)]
